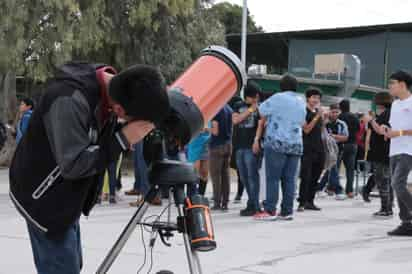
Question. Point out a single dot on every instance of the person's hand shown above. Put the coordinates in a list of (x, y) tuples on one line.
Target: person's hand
[(256, 147), (320, 112), (367, 118), (389, 133), (135, 131)]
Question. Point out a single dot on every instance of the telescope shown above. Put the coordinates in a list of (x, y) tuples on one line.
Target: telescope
[(195, 98)]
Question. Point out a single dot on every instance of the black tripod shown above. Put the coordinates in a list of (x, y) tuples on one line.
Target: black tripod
[(174, 176)]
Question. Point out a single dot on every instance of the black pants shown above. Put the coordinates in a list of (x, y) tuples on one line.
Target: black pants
[(311, 168)]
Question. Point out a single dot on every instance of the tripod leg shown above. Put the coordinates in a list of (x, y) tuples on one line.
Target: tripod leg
[(127, 231), (192, 258)]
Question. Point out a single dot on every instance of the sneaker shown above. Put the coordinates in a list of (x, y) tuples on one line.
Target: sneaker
[(225, 208), (214, 208), (132, 192), (404, 229), (286, 217), (237, 200), (350, 195), (301, 208), (247, 212), (112, 199), (265, 216), (340, 197), (312, 206), (383, 214), (321, 194), (365, 195)]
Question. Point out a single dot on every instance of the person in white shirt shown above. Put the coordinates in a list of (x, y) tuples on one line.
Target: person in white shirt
[(400, 134)]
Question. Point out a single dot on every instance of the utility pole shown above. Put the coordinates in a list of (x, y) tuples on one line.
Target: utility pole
[(244, 37)]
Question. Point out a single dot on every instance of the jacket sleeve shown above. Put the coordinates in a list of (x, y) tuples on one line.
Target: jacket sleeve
[(67, 127)]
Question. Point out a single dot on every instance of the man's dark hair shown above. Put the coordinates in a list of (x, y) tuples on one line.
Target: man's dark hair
[(312, 91), (344, 105), (383, 99), (141, 91), (28, 102), (288, 83), (334, 107), (402, 76), (251, 90)]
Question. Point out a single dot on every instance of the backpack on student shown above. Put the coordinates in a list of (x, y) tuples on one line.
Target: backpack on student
[(331, 150)]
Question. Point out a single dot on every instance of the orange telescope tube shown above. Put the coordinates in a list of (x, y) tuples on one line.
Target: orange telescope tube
[(212, 80)]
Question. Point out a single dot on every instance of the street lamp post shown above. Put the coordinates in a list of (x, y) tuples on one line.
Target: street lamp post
[(244, 37)]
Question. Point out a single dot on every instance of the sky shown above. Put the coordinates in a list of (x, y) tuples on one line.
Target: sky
[(289, 15)]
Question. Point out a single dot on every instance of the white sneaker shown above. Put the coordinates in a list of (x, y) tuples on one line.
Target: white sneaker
[(340, 197), (321, 194)]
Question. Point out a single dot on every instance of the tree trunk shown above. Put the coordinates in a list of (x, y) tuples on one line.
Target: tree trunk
[(8, 110)]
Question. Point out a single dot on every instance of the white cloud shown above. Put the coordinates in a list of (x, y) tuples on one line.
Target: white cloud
[(278, 15)]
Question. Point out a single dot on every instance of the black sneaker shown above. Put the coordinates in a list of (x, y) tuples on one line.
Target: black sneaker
[(365, 195), (301, 208), (383, 214), (237, 200), (247, 212), (225, 208), (312, 206), (216, 208), (112, 199), (402, 230)]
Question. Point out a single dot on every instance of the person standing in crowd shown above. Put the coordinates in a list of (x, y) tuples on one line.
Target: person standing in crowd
[(284, 115), (26, 110), (378, 153), (141, 180), (220, 148), (198, 154), (313, 151), (235, 140), (349, 148), (339, 131), (400, 134), (246, 117)]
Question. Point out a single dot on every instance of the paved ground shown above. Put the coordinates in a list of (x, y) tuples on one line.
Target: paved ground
[(342, 239)]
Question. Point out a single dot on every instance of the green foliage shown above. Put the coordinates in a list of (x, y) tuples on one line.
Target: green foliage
[(37, 36), (231, 17)]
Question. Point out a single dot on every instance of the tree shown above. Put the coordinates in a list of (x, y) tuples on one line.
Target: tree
[(231, 17), (169, 34)]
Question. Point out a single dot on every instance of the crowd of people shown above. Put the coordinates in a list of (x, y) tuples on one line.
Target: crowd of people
[(305, 145), (294, 137)]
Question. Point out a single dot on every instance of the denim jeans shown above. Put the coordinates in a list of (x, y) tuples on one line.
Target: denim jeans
[(401, 166), (331, 179), (349, 160), (60, 253), (111, 172), (141, 182), (247, 163), (282, 168)]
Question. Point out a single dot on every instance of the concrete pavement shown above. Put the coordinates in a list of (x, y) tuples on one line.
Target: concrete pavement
[(341, 239)]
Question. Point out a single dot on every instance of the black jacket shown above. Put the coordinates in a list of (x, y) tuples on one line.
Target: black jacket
[(353, 125), (55, 170)]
